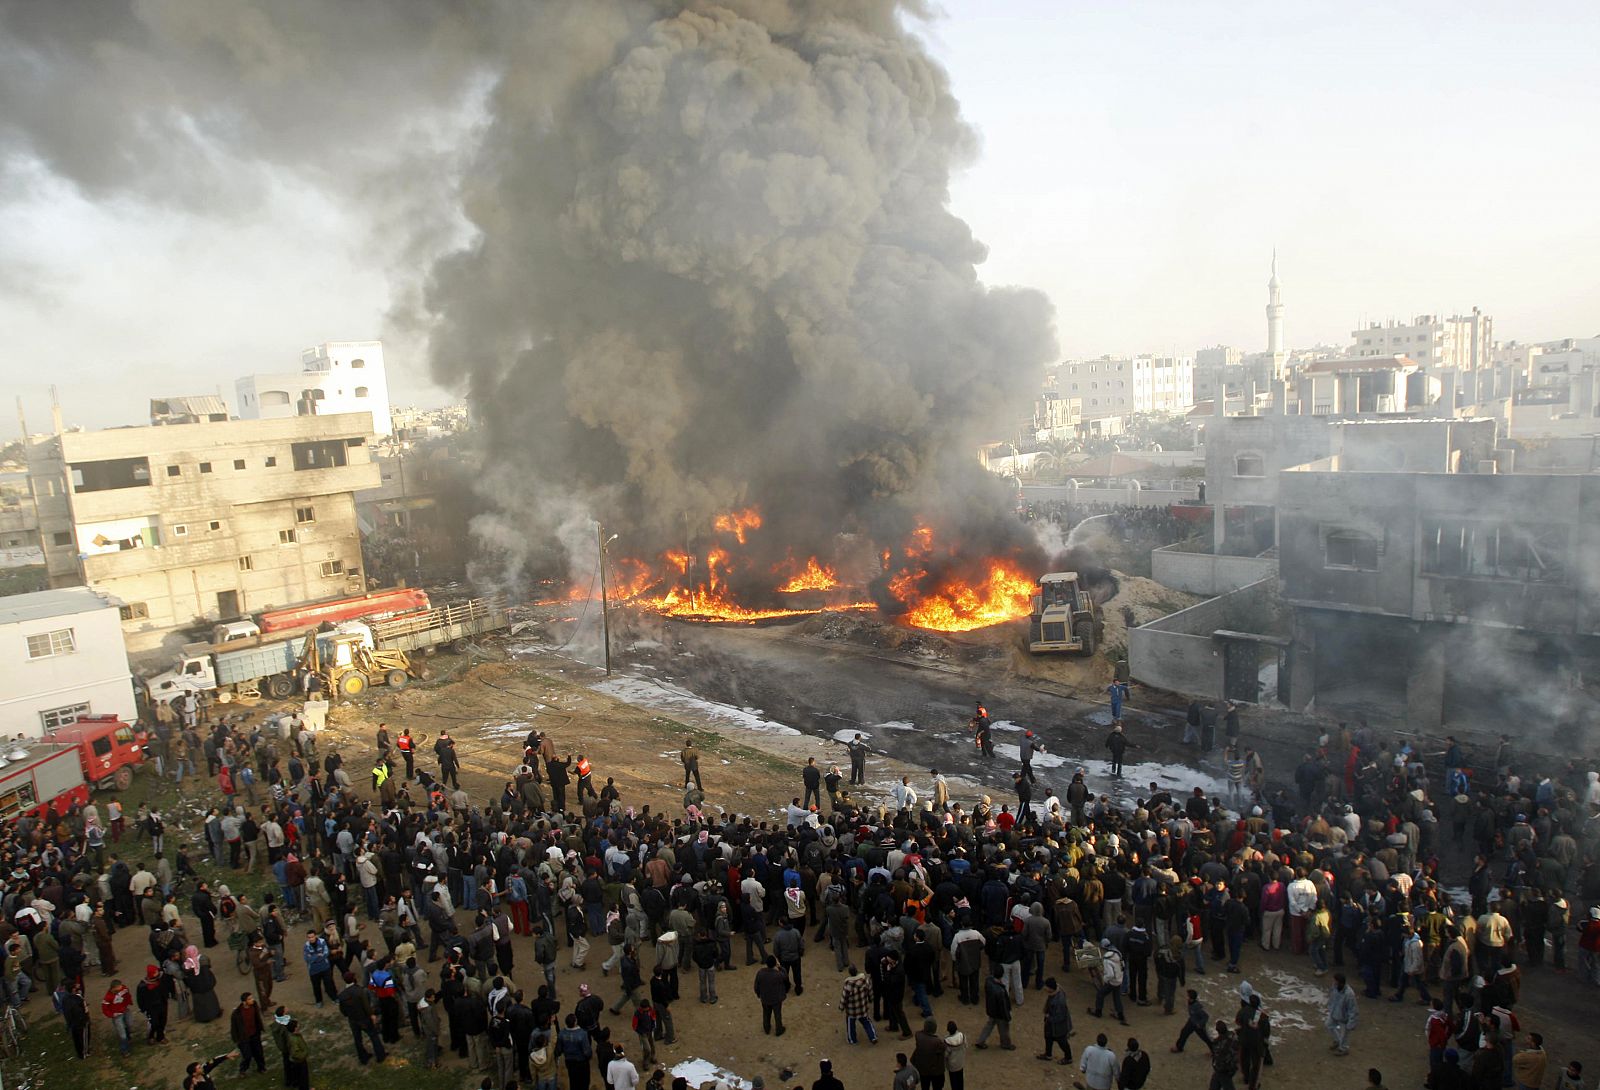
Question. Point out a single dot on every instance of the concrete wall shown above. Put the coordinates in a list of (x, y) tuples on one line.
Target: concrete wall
[(94, 673), (1146, 497), (1395, 508), (1177, 652), (1184, 567)]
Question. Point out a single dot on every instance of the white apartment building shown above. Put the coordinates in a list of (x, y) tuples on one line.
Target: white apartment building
[(1462, 342), (1554, 362), (1128, 386), (194, 523), (335, 377), (61, 657)]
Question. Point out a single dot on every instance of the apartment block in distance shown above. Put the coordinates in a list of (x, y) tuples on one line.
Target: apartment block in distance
[(193, 523), (335, 377)]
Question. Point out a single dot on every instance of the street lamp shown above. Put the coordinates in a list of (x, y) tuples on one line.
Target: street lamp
[(605, 620)]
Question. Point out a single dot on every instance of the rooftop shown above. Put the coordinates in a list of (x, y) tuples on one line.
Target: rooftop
[(44, 604)]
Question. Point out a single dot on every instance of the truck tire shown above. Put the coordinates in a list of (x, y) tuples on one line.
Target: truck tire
[(1089, 634), (353, 684), (460, 646), (395, 679), (123, 779), (280, 686)]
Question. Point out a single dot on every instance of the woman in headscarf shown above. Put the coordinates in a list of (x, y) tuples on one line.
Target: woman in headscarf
[(202, 985)]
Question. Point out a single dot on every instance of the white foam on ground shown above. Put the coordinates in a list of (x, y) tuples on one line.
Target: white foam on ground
[(698, 1072), (1005, 724), (1040, 760), (849, 735), (673, 700), (516, 728), (894, 724)]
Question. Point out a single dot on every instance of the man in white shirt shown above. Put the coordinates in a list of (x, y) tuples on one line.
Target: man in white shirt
[(621, 1074), (1099, 1065)]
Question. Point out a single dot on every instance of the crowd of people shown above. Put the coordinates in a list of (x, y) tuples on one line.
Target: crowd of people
[(415, 908), (1140, 523)]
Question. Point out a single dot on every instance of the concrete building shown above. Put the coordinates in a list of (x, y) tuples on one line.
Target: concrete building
[(1430, 585), (1362, 386), (195, 523), (1129, 386), (336, 377), (202, 409), (1055, 416), (61, 657), (1463, 342)]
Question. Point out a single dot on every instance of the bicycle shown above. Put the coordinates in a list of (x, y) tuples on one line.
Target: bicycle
[(239, 943), (13, 1031)]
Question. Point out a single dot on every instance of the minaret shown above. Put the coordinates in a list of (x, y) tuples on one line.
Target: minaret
[(1275, 321)]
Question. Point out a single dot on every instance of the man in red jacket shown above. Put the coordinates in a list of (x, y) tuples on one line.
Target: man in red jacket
[(1439, 1029), (117, 1003)]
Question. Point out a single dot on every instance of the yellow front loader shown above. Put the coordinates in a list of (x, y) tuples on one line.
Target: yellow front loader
[(348, 665)]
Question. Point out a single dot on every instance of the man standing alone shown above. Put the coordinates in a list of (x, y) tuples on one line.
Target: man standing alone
[(771, 987)]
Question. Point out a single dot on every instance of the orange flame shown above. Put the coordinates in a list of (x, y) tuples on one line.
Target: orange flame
[(738, 523), (1005, 594), (813, 576)]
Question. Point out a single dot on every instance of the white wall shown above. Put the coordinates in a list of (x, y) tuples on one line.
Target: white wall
[(95, 674), (332, 369)]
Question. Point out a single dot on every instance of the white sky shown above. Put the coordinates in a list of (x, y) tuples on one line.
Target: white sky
[(1139, 162)]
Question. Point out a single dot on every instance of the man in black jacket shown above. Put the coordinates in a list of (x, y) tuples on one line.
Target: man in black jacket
[(355, 1003), (772, 988), (997, 1005), (205, 909)]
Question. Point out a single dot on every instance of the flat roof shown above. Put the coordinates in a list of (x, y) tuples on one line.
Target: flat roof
[(43, 604)]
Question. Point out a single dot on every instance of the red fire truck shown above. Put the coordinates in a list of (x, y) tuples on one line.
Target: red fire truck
[(40, 778), (108, 749)]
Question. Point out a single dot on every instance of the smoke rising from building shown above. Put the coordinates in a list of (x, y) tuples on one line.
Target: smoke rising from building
[(711, 260)]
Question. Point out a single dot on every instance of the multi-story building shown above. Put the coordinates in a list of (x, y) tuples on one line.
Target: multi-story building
[(336, 377), (1432, 582), (61, 657), (1128, 386), (1362, 386), (1461, 342), (193, 523)]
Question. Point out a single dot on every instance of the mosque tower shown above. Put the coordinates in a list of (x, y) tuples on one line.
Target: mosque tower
[(1275, 321)]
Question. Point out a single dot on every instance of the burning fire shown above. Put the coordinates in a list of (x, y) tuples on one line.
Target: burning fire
[(813, 576), (956, 605), (938, 589), (738, 523)]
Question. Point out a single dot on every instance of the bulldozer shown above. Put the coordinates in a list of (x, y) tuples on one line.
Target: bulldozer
[(1064, 617), (348, 662)]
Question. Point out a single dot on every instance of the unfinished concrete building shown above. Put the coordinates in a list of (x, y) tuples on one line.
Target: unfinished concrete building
[(1431, 583), (193, 523)]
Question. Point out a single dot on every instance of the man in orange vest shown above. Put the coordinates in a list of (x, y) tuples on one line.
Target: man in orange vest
[(584, 782), (406, 747)]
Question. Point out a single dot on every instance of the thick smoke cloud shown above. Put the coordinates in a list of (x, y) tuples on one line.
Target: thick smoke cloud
[(711, 260), (716, 268)]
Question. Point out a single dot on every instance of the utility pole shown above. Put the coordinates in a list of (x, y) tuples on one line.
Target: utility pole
[(605, 620)]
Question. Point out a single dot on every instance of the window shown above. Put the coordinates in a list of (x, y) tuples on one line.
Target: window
[(1249, 465), (332, 567), (270, 462), (49, 644), (214, 525), (109, 474), (61, 537), (56, 718), (1350, 549), (1494, 550), (135, 611), (205, 467), (358, 363), (238, 463), (361, 391), (246, 564), (318, 455), (286, 537), (180, 530), (174, 471), (305, 514), (274, 398)]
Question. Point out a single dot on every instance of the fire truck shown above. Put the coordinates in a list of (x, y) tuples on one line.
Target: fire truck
[(46, 776)]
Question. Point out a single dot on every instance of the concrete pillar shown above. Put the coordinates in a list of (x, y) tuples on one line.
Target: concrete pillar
[(1302, 665), (1425, 685)]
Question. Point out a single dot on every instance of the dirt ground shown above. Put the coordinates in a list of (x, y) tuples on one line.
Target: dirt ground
[(489, 706)]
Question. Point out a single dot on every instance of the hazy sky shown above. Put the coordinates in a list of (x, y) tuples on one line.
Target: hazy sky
[(1139, 162)]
